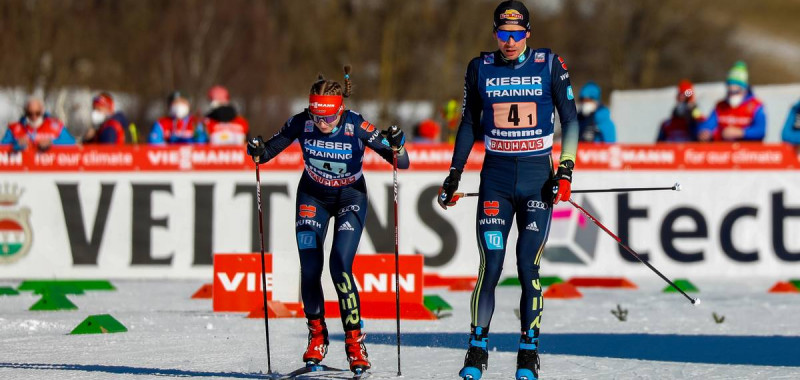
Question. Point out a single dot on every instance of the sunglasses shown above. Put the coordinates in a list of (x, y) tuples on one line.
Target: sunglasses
[(327, 119), (504, 35), (34, 114)]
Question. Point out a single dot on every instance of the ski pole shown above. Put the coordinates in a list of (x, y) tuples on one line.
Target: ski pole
[(263, 266), (675, 187), (694, 301), (396, 254)]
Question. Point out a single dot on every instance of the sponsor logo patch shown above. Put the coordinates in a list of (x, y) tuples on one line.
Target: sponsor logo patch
[(367, 126), (309, 127), (563, 64), (307, 211), (533, 205), (346, 226), (488, 59), (491, 208), (348, 129), (353, 208), (532, 227), (494, 239), (538, 58), (570, 93), (306, 240), (511, 14)]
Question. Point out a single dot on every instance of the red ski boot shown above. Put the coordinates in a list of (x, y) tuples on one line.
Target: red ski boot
[(356, 351), (317, 341)]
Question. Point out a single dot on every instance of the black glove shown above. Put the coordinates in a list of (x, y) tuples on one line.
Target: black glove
[(395, 137), (449, 187), (256, 148)]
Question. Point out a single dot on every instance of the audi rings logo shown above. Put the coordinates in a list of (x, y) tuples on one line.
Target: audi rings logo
[(353, 208), (533, 205)]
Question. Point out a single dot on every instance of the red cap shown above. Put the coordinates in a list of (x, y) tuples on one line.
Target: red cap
[(324, 105), (429, 129), (103, 100), (686, 89), (219, 94)]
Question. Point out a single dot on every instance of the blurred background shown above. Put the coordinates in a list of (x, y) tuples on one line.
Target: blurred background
[(408, 58)]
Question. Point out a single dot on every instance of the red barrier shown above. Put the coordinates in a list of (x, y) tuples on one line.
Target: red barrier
[(237, 281), (562, 290), (102, 158), (204, 292)]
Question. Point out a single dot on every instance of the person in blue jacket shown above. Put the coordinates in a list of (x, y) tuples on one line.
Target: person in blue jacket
[(333, 140), (594, 117), (791, 129)]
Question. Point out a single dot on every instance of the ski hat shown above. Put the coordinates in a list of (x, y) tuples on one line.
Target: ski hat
[(103, 100), (686, 89), (738, 74), (219, 94), (590, 91), (512, 12), (174, 96)]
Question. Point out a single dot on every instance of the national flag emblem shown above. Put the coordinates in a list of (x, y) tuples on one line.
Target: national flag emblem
[(491, 208), (15, 231)]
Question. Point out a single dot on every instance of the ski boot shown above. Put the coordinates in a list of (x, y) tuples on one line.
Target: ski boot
[(528, 356), (356, 351), (477, 358), (317, 342)]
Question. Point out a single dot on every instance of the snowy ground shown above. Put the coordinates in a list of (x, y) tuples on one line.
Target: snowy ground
[(171, 335)]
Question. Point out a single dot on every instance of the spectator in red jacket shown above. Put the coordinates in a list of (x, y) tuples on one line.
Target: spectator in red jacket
[(36, 130), (105, 128), (682, 125), (738, 117), (179, 126), (224, 125)]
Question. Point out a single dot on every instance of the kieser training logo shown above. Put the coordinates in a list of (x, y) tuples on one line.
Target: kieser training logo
[(511, 14), (573, 237), (15, 226)]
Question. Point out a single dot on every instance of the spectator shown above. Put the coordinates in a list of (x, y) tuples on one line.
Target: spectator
[(225, 126), (178, 126), (106, 126), (682, 125), (427, 132), (791, 129), (738, 117), (36, 129), (594, 118)]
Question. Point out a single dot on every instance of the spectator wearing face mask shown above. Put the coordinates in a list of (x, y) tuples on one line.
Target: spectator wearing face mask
[(738, 117), (225, 126), (594, 118), (178, 127), (686, 117), (791, 129), (36, 130), (107, 126)]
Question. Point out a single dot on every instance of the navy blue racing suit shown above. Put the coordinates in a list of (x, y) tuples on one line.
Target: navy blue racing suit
[(511, 105), (332, 185)]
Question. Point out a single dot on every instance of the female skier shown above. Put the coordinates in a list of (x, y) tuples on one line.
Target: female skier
[(332, 139)]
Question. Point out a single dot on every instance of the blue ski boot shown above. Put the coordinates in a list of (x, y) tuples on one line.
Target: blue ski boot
[(528, 356), (477, 358)]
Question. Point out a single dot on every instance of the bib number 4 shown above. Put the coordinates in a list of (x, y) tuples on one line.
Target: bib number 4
[(515, 115)]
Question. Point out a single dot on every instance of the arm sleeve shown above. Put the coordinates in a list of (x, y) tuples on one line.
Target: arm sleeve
[(470, 126), (375, 141), (564, 100), (789, 134), (281, 140), (156, 135), (710, 124), (608, 131), (64, 138), (757, 130)]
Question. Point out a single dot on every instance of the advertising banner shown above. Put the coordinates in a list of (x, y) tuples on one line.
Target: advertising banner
[(167, 223)]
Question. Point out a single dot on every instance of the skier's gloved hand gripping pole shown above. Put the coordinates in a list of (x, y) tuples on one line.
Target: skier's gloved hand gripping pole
[(396, 140), (257, 150)]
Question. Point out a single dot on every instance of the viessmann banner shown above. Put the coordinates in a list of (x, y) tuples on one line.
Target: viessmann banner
[(163, 215)]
